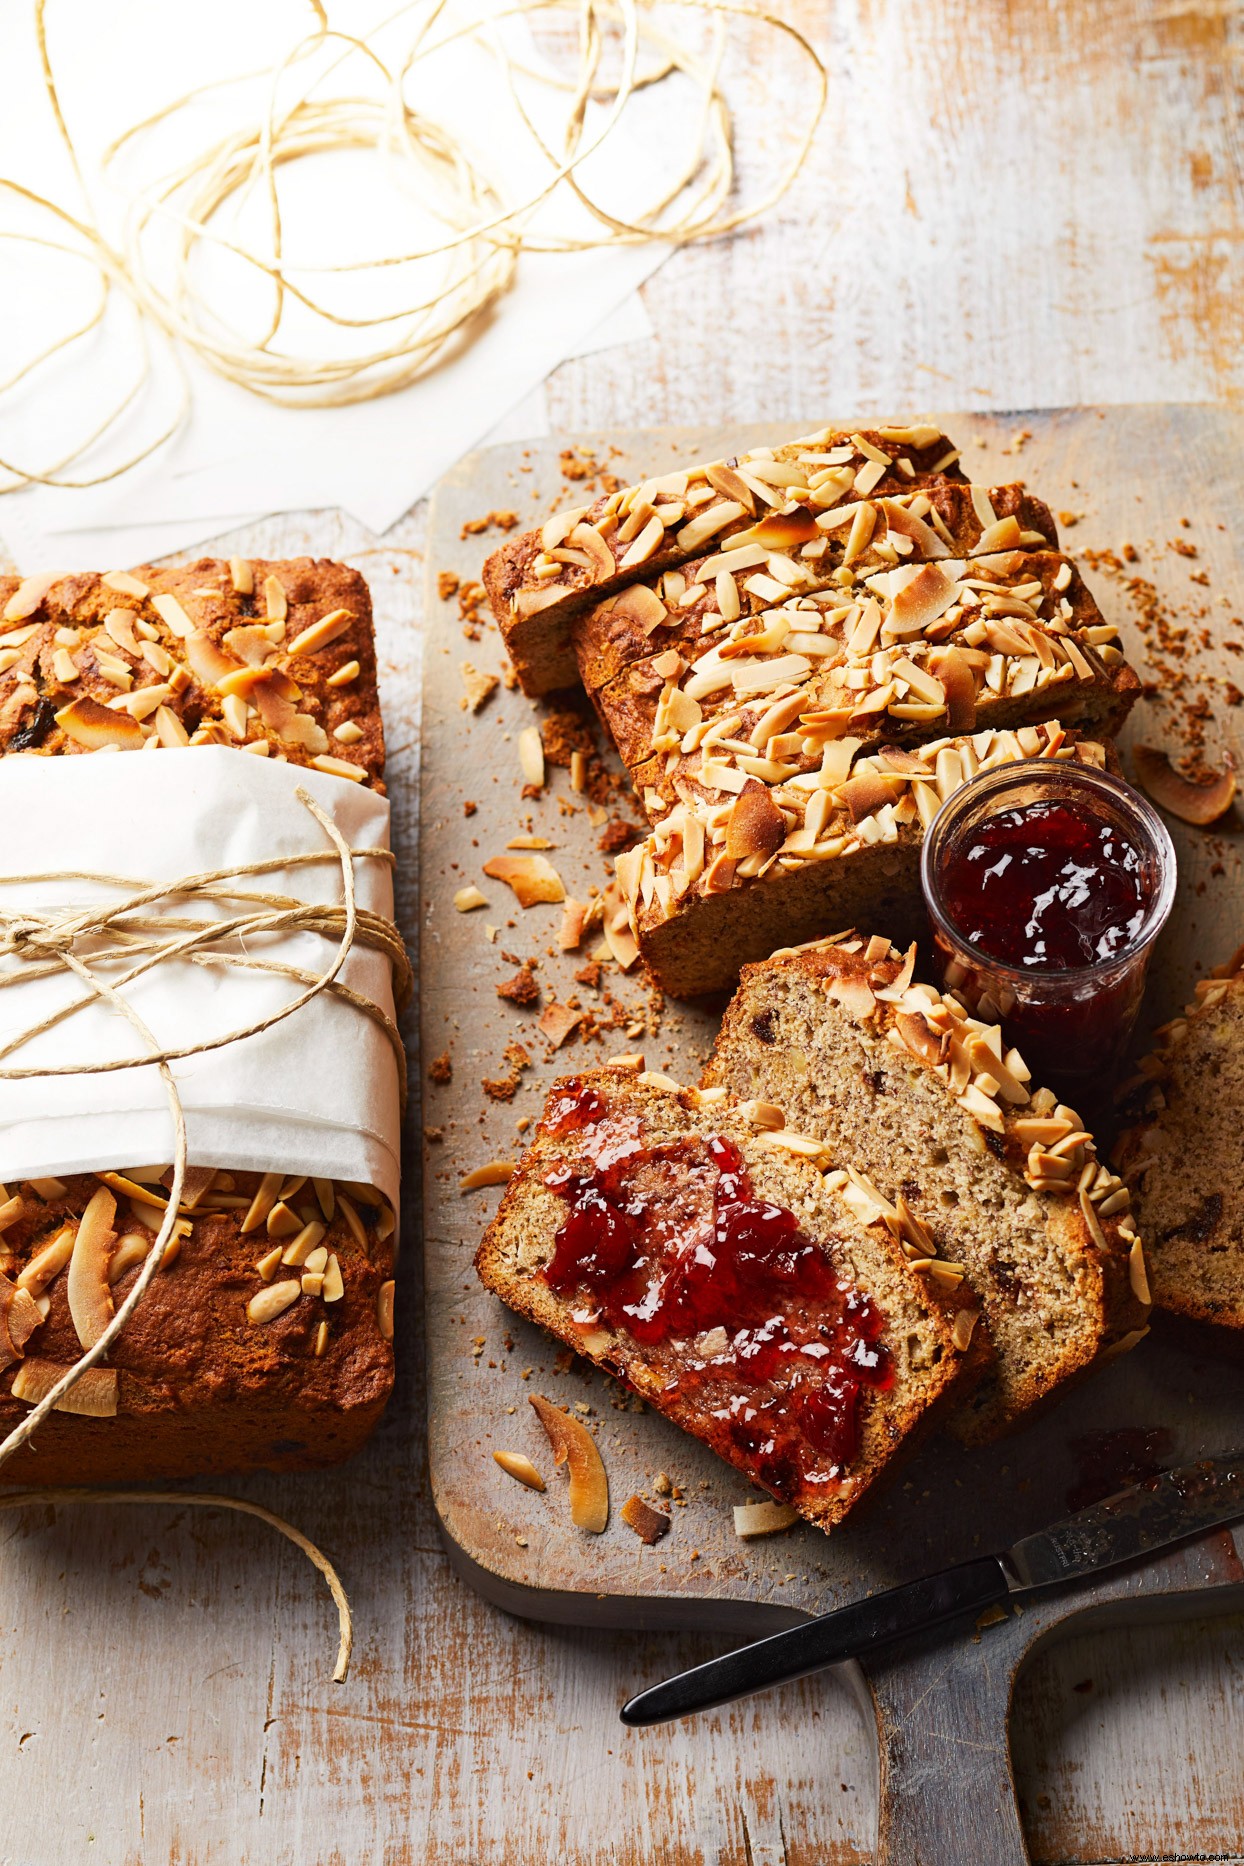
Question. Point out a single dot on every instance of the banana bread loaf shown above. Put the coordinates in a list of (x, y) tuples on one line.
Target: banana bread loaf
[(934, 1111), (1183, 1154), (690, 1245), (538, 582), (723, 880), (265, 1339)]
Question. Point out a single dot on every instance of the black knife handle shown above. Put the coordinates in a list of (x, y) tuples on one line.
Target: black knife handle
[(851, 1632)]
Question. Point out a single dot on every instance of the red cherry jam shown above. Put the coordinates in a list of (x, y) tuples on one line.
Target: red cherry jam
[(1047, 882), (671, 1245), (1048, 886)]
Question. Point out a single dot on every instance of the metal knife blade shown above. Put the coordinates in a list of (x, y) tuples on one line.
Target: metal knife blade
[(1150, 1515), (1146, 1516)]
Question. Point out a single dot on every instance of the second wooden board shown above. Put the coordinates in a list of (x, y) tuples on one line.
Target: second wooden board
[(1150, 500)]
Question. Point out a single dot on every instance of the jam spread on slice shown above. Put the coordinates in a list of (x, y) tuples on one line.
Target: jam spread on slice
[(748, 1315), (1046, 886)]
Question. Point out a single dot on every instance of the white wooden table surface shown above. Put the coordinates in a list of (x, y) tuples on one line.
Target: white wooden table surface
[(1013, 203)]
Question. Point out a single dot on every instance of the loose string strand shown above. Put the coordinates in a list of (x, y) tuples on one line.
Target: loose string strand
[(485, 229)]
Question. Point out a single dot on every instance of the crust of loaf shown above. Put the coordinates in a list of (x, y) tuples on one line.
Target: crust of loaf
[(929, 1369), (1056, 1302), (1183, 1151), (201, 1389), (540, 644)]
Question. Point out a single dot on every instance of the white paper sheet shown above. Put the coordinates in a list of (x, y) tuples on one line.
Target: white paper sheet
[(240, 456), (318, 1093)]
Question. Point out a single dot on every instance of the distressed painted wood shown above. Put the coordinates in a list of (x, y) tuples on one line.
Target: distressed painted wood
[(1011, 206)]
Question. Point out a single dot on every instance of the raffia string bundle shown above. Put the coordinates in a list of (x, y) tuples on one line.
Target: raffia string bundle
[(486, 231), (121, 932)]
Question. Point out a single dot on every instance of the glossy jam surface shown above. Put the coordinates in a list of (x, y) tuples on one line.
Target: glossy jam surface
[(671, 1244), (1047, 886)]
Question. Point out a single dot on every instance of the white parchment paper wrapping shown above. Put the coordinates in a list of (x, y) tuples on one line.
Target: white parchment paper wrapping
[(318, 1093)]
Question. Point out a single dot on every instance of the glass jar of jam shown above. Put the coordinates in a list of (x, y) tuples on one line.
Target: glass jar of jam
[(1046, 885)]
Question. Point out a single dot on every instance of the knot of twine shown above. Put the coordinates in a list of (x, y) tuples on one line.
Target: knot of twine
[(122, 931)]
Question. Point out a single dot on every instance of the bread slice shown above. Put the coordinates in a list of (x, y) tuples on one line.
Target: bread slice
[(1183, 1151), (774, 692), (657, 1148), (932, 1108), (723, 881), (539, 582), (685, 608)]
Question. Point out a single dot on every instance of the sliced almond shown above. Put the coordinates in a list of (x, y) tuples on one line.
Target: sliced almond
[(468, 898), (48, 1262), (515, 1464), (272, 1301), (531, 756), (174, 617), (241, 576), (125, 585), (265, 1198), (574, 1446), (319, 635), (479, 686), (384, 1310), (1191, 803), (763, 1519), (276, 604), (334, 1283)]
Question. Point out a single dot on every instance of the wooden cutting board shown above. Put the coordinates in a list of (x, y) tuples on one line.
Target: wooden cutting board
[(1163, 483)]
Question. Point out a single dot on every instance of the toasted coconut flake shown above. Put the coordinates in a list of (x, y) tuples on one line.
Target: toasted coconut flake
[(964, 1327), (649, 1524), (574, 1446), (570, 933), (755, 826), (532, 878), (87, 1288), (20, 1315), (479, 686), (557, 1021), (587, 539), (93, 726), (94, 1396), (241, 576), (762, 1519), (495, 1173), (954, 671), (516, 1464), (854, 995), (1191, 803)]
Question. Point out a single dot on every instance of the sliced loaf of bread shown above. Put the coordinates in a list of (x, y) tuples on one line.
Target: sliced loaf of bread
[(693, 1246), (939, 1117), (725, 879), (774, 692), (688, 607), (539, 582), (1182, 1151)]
